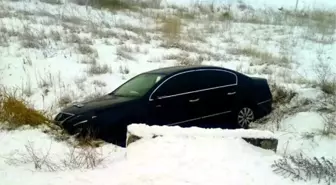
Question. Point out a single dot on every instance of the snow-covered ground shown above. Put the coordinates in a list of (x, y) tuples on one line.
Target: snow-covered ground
[(163, 160), (56, 53)]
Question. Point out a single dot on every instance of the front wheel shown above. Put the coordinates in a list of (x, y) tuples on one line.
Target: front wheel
[(244, 117)]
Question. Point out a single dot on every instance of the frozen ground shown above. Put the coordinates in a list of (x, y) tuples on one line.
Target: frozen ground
[(55, 53)]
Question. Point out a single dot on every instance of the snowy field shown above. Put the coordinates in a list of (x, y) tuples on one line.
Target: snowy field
[(56, 52)]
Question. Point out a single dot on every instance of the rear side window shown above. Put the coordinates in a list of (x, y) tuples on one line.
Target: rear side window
[(215, 78)]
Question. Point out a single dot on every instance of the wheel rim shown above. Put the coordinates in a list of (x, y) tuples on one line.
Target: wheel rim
[(245, 117)]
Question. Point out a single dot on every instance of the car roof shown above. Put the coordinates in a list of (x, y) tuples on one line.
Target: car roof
[(178, 69)]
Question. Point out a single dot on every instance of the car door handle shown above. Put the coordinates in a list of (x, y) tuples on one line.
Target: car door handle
[(231, 93), (194, 100)]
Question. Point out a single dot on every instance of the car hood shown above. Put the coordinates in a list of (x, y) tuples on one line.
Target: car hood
[(104, 102)]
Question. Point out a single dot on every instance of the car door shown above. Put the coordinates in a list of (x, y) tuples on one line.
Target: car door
[(219, 93), (174, 102)]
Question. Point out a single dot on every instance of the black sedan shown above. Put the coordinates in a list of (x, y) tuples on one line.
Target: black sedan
[(202, 96)]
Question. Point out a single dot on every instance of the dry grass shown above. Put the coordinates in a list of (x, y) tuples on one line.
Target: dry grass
[(320, 39), (185, 59), (171, 28), (114, 4), (29, 39), (87, 59), (53, 2), (261, 57), (99, 83), (125, 52), (16, 111), (64, 100), (75, 38), (99, 69), (281, 95), (86, 49), (195, 48), (141, 31), (45, 81)]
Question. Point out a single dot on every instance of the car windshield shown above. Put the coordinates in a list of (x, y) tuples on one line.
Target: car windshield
[(139, 85)]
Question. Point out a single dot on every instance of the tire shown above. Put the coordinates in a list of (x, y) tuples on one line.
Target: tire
[(244, 116)]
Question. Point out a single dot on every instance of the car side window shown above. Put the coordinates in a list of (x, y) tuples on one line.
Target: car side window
[(215, 78), (178, 84)]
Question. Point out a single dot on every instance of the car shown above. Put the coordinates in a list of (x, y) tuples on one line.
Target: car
[(185, 96)]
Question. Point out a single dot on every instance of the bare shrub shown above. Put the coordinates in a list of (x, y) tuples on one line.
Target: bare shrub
[(99, 83), (45, 81), (98, 69), (86, 157), (124, 70), (16, 111), (281, 95), (326, 78), (75, 158), (37, 158), (301, 168), (329, 128)]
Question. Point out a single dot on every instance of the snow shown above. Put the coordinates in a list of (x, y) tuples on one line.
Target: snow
[(164, 160), (56, 69), (145, 131)]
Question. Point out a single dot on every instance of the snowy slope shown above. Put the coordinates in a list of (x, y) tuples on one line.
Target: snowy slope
[(51, 55), (287, 4)]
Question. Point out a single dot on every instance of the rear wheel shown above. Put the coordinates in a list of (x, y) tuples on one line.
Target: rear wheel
[(244, 117)]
